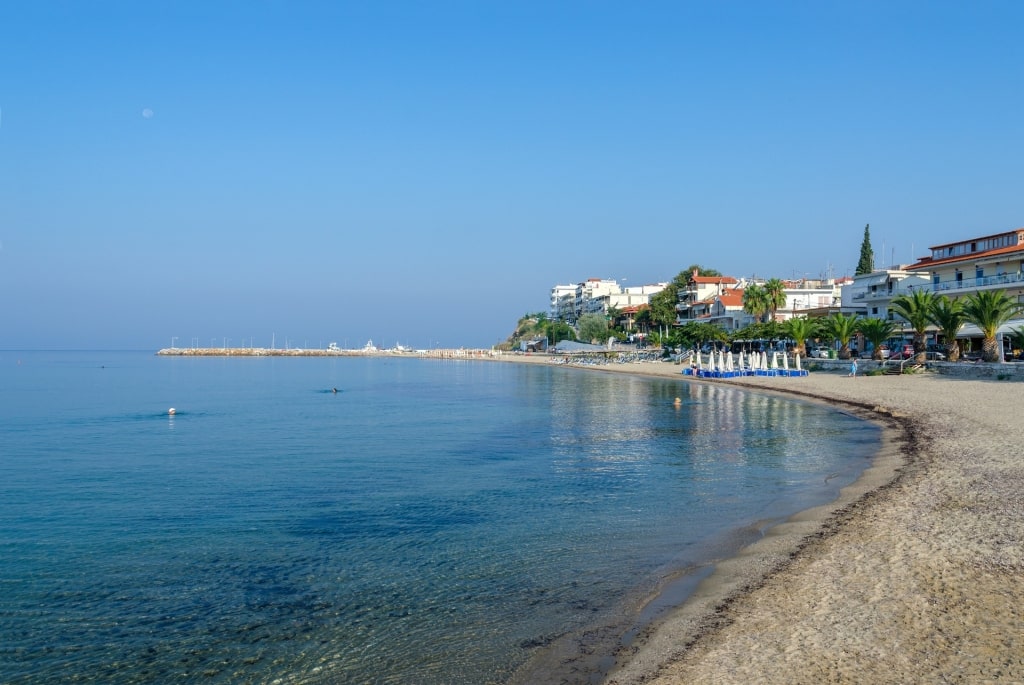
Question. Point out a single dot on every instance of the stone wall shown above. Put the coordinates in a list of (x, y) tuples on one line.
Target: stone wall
[(971, 370)]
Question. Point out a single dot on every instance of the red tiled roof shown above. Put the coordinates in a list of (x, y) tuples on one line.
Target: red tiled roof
[(732, 298), (973, 240), (713, 279), (927, 262)]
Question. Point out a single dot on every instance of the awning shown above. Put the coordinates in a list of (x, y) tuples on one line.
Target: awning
[(878, 279), (972, 331)]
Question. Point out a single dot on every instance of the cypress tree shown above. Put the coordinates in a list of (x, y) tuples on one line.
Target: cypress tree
[(867, 256)]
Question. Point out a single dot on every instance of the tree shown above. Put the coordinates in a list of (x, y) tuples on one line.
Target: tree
[(755, 301), (614, 314), (800, 329), (867, 256), (916, 308), (643, 319), (988, 310), (876, 332), (775, 292), (770, 331), (696, 333), (701, 271), (592, 327), (557, 331), (663, 304), (948, 315), (841, 327)]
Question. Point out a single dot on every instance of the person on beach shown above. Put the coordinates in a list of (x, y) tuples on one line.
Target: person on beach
[(853, 367)]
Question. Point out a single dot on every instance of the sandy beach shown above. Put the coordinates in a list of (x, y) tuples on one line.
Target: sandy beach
[(913, 576)]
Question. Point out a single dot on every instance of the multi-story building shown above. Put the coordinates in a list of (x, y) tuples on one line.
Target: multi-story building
[(811, 297), (633, 296), (992, 262), (696, 298), (563, 303), (599, 296), (570, 302), (870, 294), (726, 310), (591, 295), (719, 300)]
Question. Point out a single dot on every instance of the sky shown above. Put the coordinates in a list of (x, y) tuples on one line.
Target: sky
[(423, 173)]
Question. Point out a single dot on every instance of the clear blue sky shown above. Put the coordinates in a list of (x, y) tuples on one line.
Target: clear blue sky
[(424, 172)]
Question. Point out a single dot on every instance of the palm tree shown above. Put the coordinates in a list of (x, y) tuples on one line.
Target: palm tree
[(949, 316), (755, 301), (988, 310), (775, 290), (876, 332), (916, 308), (800, 329), (841, 327)]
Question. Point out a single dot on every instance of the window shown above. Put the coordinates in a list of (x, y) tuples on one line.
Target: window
[(979, 272), (874, 310)]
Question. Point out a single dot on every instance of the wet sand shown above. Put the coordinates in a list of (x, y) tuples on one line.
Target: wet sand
[(913, 576)]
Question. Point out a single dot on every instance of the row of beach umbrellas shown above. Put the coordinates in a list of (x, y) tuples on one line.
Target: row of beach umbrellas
[(755, 361)]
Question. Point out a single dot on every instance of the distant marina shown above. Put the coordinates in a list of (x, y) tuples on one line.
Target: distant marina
[(332, 350)]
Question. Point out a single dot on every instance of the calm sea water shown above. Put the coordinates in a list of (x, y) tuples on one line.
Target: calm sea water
[(432, 522)]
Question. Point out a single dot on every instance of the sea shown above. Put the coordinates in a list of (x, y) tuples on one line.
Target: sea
[(374, 519)]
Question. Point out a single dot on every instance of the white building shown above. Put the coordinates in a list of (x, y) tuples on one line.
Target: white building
[(570, 302), (563, 303), (870, 294), (965, 267), (811, 297), (633, 296), (590, 292)]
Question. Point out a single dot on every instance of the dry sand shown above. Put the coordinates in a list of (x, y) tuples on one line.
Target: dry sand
[(916, 575)]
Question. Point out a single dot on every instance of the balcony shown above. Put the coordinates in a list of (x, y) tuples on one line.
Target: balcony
[(877, 295), (983, 283)]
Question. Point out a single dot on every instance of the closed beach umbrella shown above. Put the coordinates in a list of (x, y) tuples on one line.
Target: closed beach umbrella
[(798, 361), (739, 362), (785, 363), (697, 359), (764, 361), (775, 360), (728, 363)]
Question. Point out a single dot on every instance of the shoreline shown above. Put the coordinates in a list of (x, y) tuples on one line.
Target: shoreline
[(851, 591)]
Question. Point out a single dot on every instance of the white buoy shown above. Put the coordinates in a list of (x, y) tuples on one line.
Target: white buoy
[(171, 411)]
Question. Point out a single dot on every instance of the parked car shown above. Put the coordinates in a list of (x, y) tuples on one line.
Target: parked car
[(818, 352), (935, 356)]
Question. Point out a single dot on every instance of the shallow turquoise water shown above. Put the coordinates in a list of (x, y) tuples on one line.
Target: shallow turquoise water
[(432, 522)]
